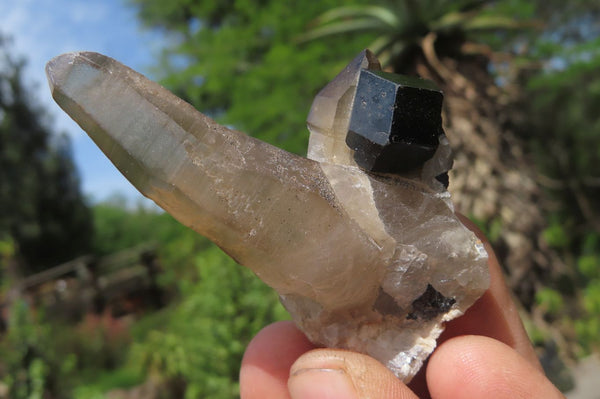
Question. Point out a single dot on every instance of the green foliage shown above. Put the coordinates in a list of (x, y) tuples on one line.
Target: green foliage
[(7, 255), (537, 335), (400, 27), (200, 341), (103, 381), (591, 298), (24, 372), (588, 326), (117, 228), (563, 99), (551, 301), (242, 62), (556, 235), (587, 330), (28, 370), (42, 359), (492, 229), (88, 392), (589, 266), (197, 342), (238, 61), (41, 206)]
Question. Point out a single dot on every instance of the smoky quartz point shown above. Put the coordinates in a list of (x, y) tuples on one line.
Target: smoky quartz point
[(367, 258)]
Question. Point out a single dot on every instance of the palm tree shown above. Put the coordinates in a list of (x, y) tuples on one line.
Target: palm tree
[(492, 181)]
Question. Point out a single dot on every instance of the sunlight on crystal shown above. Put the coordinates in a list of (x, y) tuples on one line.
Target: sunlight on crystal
[(371, 262)]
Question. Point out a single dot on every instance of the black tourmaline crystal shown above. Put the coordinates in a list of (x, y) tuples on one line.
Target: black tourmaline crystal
[(430, 304), (396, 122)]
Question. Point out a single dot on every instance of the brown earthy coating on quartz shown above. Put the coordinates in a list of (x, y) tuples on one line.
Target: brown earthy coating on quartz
[(369, 262)]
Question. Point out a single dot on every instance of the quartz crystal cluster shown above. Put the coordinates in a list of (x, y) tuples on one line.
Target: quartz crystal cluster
[(360, 240)]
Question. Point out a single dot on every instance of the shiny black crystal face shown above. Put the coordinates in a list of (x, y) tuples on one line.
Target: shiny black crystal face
[(395, 123)]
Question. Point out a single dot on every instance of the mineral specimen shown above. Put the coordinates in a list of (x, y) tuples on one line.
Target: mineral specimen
[(372, 262), (396, 122)]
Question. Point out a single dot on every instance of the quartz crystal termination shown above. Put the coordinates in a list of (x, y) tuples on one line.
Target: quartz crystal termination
[(372, 262)]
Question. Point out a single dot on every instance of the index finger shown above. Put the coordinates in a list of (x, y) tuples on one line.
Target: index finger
[(495, 314)]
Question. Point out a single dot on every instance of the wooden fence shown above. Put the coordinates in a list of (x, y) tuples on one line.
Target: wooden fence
[(124, 282)]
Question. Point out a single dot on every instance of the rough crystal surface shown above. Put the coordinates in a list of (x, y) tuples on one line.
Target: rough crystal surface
[(329, 115), (370, 262)]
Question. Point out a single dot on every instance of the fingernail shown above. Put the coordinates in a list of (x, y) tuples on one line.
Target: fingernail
[(321, 384)]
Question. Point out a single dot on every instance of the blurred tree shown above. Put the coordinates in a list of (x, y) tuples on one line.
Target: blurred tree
[(237, 61), (241, 61), (520, 98), (117, 227), (562, 100), (41, 206), (536, 101), (196, 348), (452, 43)]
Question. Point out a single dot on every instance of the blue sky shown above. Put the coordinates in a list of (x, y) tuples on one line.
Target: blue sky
[(42, 29)]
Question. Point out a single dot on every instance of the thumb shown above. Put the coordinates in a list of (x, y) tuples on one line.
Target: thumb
[(338, 374), (481, 367)]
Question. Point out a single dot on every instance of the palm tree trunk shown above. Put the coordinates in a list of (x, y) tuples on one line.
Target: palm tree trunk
[(493, 180)]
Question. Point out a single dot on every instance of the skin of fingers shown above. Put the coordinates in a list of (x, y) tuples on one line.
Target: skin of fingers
[(280, 352), (493, 315), (480, 367), (339, 374), (266, 364)]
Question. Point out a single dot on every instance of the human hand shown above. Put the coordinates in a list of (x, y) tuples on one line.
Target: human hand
[(485, 353)]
